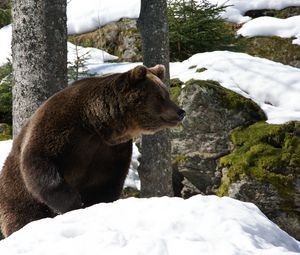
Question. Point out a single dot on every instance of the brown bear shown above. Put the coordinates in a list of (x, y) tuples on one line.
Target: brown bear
[(76, 149)]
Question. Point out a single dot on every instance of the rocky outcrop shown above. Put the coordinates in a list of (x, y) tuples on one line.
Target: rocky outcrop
[(264, 168), (275, 48), (212, 113), (119, 38), (225, 147)]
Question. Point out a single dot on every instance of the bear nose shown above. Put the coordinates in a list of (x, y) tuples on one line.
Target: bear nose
[(181, 114)]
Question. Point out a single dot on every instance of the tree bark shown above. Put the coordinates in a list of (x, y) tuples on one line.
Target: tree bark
[(39, 52), (155, 170)]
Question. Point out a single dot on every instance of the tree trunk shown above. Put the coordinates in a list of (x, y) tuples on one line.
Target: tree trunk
[(39, 51), (155, 170)]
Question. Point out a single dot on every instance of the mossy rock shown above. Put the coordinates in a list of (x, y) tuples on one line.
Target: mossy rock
[(175, 89), (264, 168), (130, 192), (212, 112), (266, 152), (6, 94), (275, 48), (5, 132), (281, 14), (5, 17), (229, 99), (119, 38)]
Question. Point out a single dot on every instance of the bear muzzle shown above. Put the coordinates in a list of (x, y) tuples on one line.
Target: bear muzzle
[(181, 113)]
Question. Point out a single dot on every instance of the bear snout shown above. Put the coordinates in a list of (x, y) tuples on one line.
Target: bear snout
[(181, 113)]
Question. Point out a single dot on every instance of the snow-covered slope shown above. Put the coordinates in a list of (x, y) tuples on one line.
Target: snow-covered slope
[(158, 226), (88, 15)]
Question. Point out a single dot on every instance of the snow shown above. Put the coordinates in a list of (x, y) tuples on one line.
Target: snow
[(200, 225), (5, 44), (96, 13), (236, 9), (278, 95), (92, 56), (270, 26), (5, 147), (99, 56)]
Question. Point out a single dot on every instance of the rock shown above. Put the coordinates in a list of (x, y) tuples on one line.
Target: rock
[(275, 48), (264, 168), (282, 14), (5, 131), (5, 4), (212, 113), (119, 38), (225, 147)]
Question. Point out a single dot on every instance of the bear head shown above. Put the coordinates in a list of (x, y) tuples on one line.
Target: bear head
[(149, 102)]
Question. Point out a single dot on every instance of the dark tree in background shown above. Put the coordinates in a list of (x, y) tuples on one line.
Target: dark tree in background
[(155, 170), (39, 51)]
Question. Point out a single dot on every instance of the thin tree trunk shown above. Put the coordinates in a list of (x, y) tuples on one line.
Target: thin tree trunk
[(155, 170), (39, 51)]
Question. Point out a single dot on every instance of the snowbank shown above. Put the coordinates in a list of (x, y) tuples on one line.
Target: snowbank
[(274, 86), (88, 15), (158, 226), (269, 26), (92, 55), (236, 9)]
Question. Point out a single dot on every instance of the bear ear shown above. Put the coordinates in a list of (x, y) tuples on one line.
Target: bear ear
[(159, 71), (138, 73)]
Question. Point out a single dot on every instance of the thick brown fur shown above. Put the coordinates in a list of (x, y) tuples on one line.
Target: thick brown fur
[(76, 149)]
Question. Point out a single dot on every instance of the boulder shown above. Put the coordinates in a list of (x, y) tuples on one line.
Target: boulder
[(203, 138), (225, 147), (119, 38), (264, 168)]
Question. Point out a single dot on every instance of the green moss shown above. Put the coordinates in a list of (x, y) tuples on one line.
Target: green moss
[(230, 99), (200, 70), (175, 89), (130, 192), (5, 132), (274, 48), (6, 93), (179, 158), (5, 17), (265, 152)]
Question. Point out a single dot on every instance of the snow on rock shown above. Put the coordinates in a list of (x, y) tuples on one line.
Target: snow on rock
[(88, 15), (157, 226), (270, 26), (274, 86), (92, 56), (236, 9)]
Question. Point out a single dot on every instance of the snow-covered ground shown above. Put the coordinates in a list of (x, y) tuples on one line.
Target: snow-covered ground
[(88, 15), (158, 226), (270, 26)]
